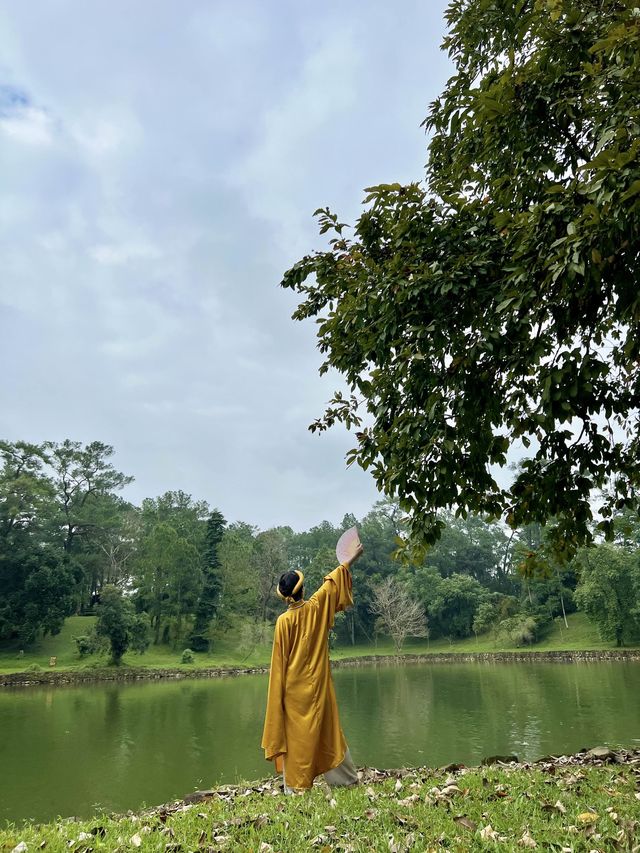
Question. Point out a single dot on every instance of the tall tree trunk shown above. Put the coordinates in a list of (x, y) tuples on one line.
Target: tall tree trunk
[(564, 613)]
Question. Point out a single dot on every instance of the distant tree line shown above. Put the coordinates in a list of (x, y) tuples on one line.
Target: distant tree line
[(173, 571)]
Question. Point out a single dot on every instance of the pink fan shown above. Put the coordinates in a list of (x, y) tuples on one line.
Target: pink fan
[(348, 545)]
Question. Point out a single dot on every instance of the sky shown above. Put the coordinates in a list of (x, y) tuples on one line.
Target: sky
[(160, 163)]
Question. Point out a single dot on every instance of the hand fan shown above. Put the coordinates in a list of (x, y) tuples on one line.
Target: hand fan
[(348, 545)]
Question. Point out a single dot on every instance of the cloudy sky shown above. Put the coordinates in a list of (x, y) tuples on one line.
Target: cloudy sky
[(159, 165)]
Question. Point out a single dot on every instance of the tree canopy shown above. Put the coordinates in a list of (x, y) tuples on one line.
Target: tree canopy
[(497, 307)]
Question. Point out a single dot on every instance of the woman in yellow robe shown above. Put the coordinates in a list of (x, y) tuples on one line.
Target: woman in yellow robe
[(302, 733)]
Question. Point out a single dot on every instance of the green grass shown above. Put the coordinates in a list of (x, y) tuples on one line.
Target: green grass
[(581, 635), (571, 807), (231, 651), (61, 646)]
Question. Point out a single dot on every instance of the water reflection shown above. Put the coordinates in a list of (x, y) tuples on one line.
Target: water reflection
[(63, 751), (466, 712)]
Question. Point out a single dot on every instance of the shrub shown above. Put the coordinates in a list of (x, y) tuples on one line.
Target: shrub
[(85, 644), (519, 630), (187, 656)]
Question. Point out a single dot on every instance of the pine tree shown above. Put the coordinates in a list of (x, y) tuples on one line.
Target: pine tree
[(210, 597)]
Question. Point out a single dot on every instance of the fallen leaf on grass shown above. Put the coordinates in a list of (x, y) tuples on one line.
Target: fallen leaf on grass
[(571, 779), (556, 807), (405, 821), (371, 814), (265, 848), (409, 801), (402, 844), (136, 840), (20, 848), (588, 817), (488, 833), (465, 821), (527, 840), (450, 790), (398, 786)]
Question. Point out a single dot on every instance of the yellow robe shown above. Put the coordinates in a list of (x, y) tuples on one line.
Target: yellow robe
[(301, 726)]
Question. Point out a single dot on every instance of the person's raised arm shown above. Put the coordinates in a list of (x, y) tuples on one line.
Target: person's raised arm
[(335, 594)]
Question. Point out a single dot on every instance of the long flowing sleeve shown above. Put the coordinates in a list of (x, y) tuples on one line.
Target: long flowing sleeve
[(334, 595), (274, 740)]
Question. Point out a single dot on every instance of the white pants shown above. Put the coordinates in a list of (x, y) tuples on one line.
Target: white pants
[(342, 776)]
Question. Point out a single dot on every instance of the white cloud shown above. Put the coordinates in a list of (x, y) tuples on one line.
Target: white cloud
[(277, 170), (159, 165), (28, 126), (105, 133), (125, 253)]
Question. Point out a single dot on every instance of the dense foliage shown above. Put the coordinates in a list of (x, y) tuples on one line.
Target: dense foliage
[(498, 306), (173, 571)]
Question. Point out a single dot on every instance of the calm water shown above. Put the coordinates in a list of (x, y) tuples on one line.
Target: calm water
[(65, 751)]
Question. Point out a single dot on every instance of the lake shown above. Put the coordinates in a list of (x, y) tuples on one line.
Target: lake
[(70, 750)]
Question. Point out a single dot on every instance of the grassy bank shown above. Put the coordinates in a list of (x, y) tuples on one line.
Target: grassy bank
[(231, 650), (572, 804)]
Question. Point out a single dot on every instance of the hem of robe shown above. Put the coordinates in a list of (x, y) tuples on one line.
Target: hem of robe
[(319, 773), (333, 766), (277, 758)]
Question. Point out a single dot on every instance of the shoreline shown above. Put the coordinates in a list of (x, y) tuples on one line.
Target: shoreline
[(598, 756), (569, 802), (112, 674)]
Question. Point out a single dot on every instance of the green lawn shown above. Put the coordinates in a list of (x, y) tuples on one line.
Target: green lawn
[(60, 646), (229, 651), (232, 649), (580, 635)]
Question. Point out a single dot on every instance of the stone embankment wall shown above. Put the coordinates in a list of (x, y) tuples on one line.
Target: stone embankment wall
[(86, 676), (494, 657), (83, 676)]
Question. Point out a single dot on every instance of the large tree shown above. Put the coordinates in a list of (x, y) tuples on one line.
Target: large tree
[(609, 592), (399, 615), (169, 578), (82, 475), (209, 599), (119, 623), (499, 305), (37, 588)]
